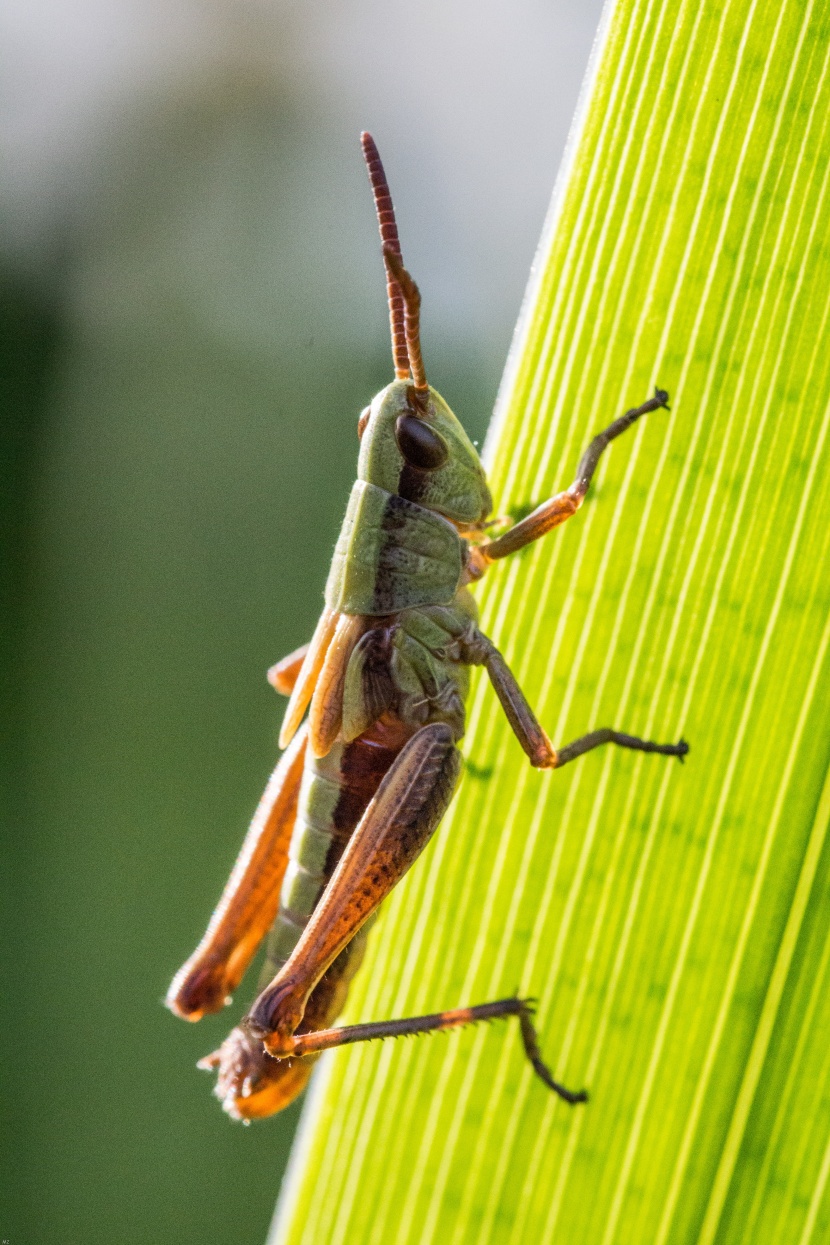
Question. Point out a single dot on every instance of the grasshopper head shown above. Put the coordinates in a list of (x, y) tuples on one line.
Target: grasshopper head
[(412, 444)]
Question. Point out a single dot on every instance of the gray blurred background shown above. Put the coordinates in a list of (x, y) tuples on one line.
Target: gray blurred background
[(193, 316)]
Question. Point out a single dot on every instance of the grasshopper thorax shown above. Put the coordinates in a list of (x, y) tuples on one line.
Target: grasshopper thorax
[(412, 445)]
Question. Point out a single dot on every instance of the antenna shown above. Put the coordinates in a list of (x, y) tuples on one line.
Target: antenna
[(402, 292), (412, 318)]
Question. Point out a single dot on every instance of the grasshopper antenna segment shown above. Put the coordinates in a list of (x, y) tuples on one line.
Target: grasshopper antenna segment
[(402, 292), (390, 244)]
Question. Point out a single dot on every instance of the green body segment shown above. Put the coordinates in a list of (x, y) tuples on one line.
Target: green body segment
[(431, 685), (312, 855), (392, 554)]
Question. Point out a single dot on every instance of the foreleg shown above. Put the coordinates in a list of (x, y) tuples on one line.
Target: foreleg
[(561, 507)]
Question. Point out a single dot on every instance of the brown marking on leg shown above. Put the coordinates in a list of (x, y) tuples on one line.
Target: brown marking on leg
[(327, 1039)]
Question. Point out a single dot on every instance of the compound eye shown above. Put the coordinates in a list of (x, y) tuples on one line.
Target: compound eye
[(420, 445), (363, 421)]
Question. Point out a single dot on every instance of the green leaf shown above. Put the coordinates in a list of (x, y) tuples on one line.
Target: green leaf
[(672, 920)]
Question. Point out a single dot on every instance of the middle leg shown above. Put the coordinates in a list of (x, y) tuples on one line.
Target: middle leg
[(478, 650)]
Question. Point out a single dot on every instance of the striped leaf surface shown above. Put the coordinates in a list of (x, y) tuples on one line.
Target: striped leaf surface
[(672, 920)]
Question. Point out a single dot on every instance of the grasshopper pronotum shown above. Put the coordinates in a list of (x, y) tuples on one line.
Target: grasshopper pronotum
[(364, 783)]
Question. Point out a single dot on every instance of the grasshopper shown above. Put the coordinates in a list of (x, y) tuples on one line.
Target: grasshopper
[(363, 784)]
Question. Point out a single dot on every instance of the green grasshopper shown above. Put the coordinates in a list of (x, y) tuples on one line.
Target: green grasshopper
[(364, 783)]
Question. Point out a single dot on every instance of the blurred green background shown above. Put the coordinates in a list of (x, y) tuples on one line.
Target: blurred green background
[(193, 317)]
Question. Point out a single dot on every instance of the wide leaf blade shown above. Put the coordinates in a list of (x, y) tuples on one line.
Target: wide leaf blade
[(673, 921)]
